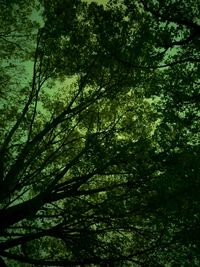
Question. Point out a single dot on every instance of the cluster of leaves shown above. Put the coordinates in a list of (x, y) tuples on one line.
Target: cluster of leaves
[(100, 143)]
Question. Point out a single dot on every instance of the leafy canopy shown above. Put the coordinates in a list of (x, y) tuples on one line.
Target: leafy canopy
[(99, 145)]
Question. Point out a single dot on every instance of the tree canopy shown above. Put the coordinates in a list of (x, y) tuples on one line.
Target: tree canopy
[(99, 148)]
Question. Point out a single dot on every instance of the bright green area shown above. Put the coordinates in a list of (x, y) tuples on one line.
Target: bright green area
[(102, 2)]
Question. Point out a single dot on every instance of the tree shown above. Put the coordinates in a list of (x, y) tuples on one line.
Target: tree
[(93, 170), (175, 88)]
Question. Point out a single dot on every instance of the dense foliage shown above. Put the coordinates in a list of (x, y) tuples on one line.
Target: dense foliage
[(99, 148)]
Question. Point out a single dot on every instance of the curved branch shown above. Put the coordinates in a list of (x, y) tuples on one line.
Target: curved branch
[(180, 20)]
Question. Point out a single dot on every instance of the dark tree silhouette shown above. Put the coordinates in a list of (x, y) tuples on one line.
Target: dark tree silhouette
[(99, 133)]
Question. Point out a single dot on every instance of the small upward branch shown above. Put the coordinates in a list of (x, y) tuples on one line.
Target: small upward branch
[(27, 105)]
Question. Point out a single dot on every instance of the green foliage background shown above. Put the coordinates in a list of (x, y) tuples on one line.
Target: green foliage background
[(99, 133)]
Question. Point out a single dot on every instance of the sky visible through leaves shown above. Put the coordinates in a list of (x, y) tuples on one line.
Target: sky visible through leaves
[(99, 133)]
